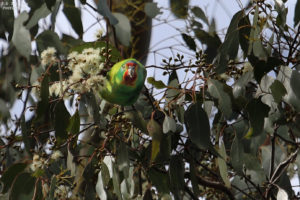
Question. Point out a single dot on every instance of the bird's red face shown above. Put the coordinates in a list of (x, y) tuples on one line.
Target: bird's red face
[(130, 74)]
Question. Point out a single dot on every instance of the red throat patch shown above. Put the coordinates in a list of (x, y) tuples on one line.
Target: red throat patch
[(127, 79)]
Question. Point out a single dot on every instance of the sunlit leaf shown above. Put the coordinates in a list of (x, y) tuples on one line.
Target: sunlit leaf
[(157, 84)]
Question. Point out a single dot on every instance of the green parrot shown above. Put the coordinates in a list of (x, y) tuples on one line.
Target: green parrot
[(124, 82)]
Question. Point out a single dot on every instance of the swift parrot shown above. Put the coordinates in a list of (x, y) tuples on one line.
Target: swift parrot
[(124, 82)]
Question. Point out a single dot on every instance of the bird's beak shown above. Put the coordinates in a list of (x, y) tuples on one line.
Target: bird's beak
[(131, 70)]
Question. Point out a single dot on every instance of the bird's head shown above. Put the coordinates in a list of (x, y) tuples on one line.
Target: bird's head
[(130, 72)]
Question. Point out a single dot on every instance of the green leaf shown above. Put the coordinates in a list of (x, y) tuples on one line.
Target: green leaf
[(50, 3), (222, 163), (7, 21), (26, 136), (23, 187), (74, 16), (10, 174), (198, 127), (217, 90), (157, 84), (257, 118), (74, 124), (198, 12), (244, 26), (169, 124), (189, 41), (21, 36), (172, 83), (239, 85), (179, 8), (123, 28), (237, 155), (278, 90), (52, 188), (176, 173), (42, 105), (49, 39), (160, 180), (229, 49), (212, 41), (194, 180), (54, 13), (155, 131), (61, 121), (116, 182), (38, 14), (262, 67), (297, 13), (104, 10), (295, 83), (151, 9)]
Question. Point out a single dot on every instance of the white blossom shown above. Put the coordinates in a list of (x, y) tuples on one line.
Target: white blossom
[(48, 56), (56, 155), (37, 163), (62, 192)]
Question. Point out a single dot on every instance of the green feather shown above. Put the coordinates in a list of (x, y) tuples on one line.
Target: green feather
[(116, 91)]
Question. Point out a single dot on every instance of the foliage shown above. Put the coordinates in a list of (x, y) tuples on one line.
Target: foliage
[(228, 130)]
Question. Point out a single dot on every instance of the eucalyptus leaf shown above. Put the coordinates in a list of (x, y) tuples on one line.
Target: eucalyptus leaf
[(198, 12), (104, 10), (216, 90), (21, 36), (169, 124), (151, 9), (123, 28), (297, 13), (38, 14), (157, 84)]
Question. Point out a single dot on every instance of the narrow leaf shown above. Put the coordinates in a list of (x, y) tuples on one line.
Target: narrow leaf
[(74, 124), (10, 174), (189, 41), (38, 14), (198, 12), (297, 13), (216, 90), (74, 16)]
